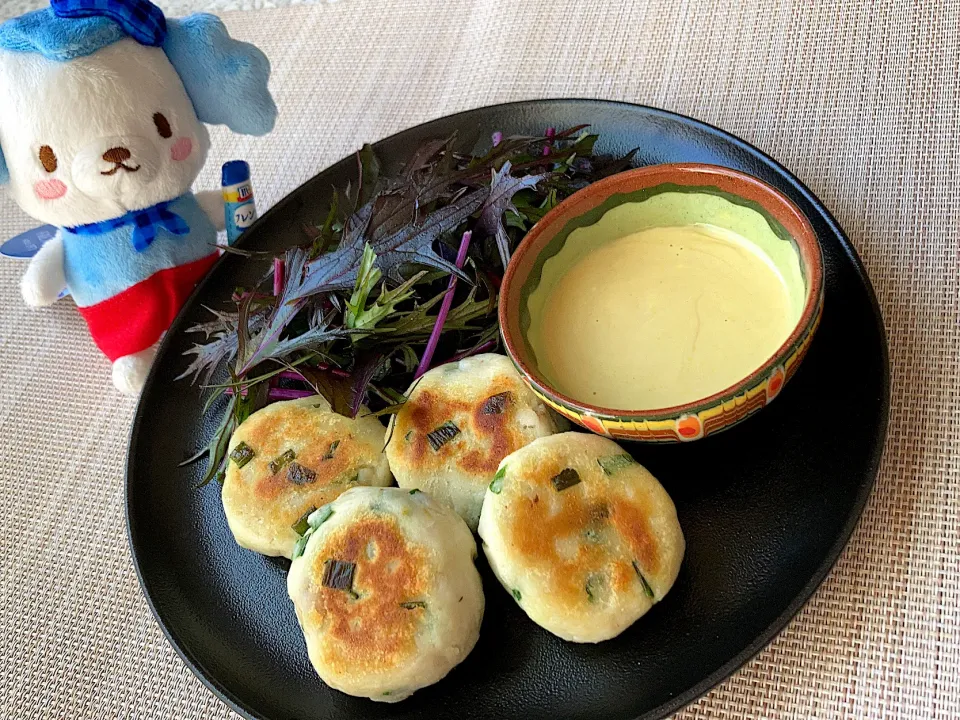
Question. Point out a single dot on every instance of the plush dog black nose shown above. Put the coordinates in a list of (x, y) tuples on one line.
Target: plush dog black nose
[(116, 155)]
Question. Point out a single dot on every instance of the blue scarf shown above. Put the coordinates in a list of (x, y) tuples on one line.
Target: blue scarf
[(145, 224)]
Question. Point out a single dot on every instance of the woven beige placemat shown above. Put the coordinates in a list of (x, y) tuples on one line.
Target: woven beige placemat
[(859, 99), (172, 8)]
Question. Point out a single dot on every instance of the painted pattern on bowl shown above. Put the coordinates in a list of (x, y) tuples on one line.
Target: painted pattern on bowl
[(680, 194)]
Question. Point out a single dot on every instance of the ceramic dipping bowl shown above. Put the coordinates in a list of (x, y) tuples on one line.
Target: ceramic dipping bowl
[(660, 196)]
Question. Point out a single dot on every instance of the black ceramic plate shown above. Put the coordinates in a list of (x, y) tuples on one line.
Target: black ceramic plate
[(766, 507)]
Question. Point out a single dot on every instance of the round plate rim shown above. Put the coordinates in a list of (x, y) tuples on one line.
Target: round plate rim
[(773, 629)]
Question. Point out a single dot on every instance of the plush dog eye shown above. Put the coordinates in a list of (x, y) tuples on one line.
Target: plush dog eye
[(48, 158), (163, 125)]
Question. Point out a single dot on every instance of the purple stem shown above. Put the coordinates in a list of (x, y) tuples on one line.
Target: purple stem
[(278, 278), (551, 133), (444, 309), (483, 347), (288, 394), (275, 393)]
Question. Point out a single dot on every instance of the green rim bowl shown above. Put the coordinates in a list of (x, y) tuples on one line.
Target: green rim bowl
[(657, 196)]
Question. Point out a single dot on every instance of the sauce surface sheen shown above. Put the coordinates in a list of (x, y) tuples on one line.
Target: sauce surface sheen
[(662, 317)]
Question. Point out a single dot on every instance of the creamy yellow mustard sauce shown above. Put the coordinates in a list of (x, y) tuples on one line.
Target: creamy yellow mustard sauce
[(662, 317)]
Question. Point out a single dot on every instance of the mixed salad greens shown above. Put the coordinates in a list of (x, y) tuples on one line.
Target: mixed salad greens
[(400, 275)]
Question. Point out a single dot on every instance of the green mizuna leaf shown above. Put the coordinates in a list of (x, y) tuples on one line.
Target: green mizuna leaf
[(360, 315)]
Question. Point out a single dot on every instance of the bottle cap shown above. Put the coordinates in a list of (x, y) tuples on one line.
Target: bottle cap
[(235, 171)]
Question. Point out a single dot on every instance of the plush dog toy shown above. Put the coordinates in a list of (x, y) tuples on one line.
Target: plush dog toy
[(101, 130)]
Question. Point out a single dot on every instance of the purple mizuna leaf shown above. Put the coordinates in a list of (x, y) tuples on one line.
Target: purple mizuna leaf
[(413, 244), (221, 345), (338, 268), (422, 156), (503, 187), (209, 356), (317, 334), (264, 343), (363, 373)]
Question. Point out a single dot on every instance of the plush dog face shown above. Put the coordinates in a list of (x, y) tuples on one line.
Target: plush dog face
[(89, 139)]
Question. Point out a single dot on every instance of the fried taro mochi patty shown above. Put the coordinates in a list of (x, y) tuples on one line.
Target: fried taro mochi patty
[(584, 538), (386, 592), (289, 459), (460, 421)]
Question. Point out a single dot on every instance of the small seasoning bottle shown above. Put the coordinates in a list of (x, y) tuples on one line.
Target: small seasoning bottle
[(240, 210)]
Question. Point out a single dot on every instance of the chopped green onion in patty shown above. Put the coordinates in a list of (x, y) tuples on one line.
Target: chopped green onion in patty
[(614, 463), (338, 574), (442, 435), (565, 479), (282, 461), (300, 475), (301, 525), (497, 484), (242, 454)]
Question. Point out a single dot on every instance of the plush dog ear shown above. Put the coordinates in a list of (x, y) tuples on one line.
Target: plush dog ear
[(226, 79)]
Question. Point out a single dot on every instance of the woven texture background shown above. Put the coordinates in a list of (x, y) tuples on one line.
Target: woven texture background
[(859, 99), (173, 8)]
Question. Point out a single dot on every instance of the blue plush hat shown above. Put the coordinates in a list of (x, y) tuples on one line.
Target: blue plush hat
[(226, 79), (70, 29)]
